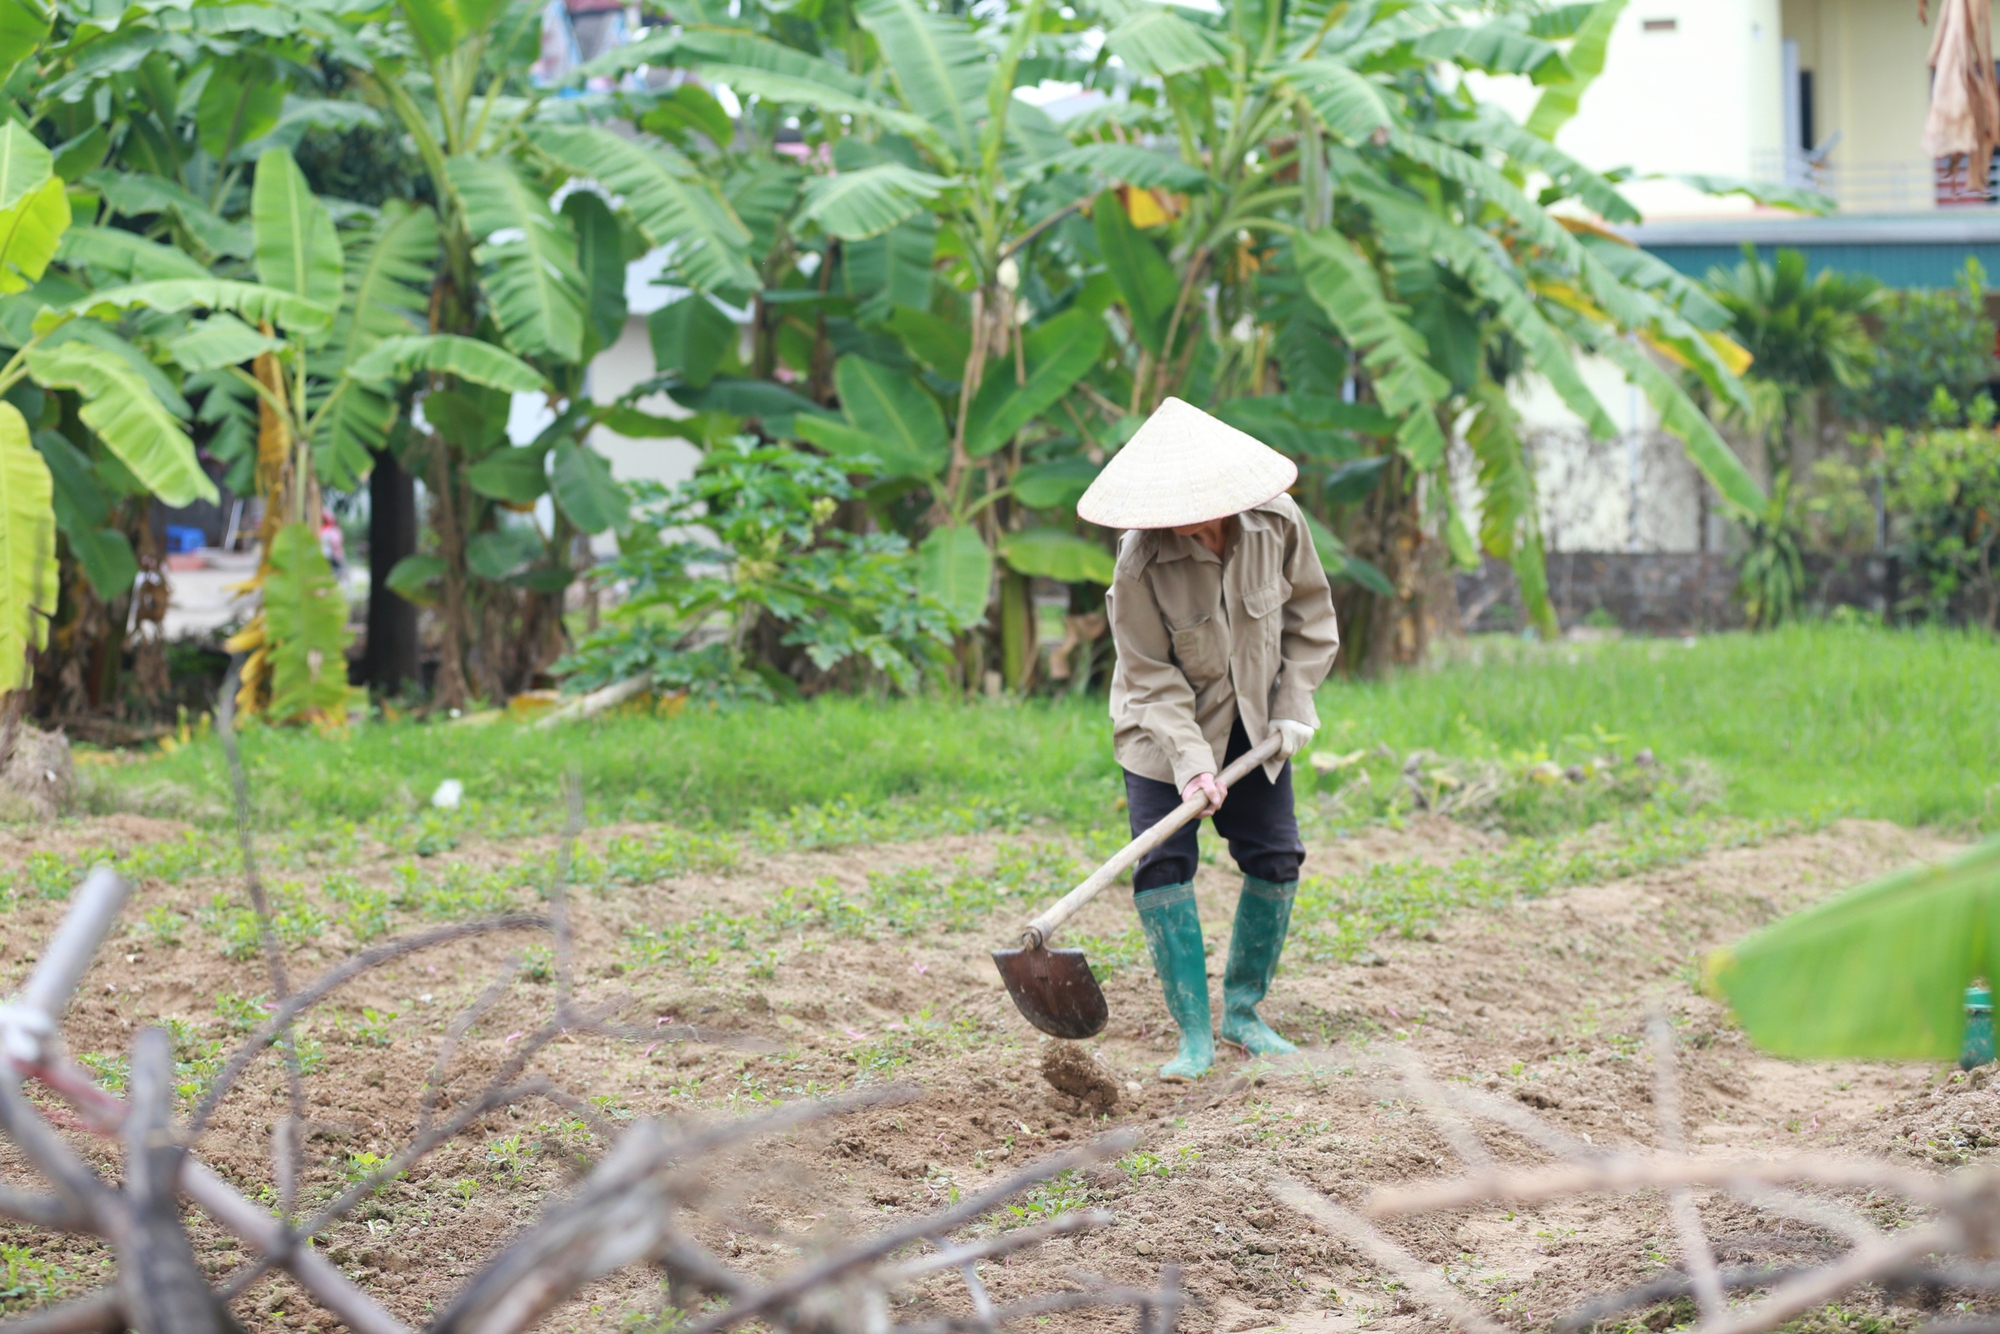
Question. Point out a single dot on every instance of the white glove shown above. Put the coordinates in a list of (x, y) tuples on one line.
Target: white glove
[(1292, 737)]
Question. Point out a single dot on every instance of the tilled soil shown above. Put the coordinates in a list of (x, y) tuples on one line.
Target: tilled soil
[(1543, 1001)]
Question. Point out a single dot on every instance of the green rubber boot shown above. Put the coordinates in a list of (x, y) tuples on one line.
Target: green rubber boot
[(1173, 932), (1263, 915)]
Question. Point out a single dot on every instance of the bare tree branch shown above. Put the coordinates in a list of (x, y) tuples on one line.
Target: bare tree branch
[(448, 1045), (79, 1189), (1078, 1220), (1426, 1090), (1680, 1201), (1664, 1289), (341, 974), (848, 1258), (102, 1312), (164, 1290), (1352, 1229), (286, 1173), (1622, 1173), (49, 1211), (1816, 1287), (314, 1272), (28, 1023)]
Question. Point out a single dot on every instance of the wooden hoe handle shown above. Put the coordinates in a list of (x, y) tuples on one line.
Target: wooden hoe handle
[(1038, 931)]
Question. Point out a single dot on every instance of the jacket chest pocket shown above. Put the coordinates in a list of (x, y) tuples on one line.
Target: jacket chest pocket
[(1200, 650), (1260, 608)]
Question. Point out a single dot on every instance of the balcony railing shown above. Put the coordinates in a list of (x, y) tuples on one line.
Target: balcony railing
[(1910, 185)]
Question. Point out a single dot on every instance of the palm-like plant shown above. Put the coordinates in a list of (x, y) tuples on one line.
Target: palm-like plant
[(1804, 333)]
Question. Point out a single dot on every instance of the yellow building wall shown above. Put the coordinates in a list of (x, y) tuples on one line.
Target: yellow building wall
[(1871, 85)]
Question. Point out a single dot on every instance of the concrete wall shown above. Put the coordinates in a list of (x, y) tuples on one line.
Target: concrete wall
[(625, 363)]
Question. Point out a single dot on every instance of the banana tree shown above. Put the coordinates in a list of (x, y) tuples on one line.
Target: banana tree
[(1363, 231), (1293, 215), (896, 323), (511, 270), (323, 407), (116, 104)]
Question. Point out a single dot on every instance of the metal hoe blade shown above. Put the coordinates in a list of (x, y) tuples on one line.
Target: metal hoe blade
[(1054, 990)]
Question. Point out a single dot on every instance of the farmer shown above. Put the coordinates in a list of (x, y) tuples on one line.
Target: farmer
[(1224, 626)]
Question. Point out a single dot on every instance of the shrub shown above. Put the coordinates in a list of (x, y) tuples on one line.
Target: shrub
[(1927, 343), (740, 562), (1943, 493)]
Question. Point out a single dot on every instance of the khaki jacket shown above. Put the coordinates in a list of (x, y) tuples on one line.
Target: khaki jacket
[(1201, 641)]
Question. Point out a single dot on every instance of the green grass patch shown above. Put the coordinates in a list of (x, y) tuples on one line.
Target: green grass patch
[(1896, 725), (1817, 718)]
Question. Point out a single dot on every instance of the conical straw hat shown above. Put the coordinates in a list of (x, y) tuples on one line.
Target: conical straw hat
[(1183, 466)]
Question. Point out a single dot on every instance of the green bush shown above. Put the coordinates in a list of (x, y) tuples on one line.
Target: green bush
[(742, 559), (1942, 489), (1926, 342)]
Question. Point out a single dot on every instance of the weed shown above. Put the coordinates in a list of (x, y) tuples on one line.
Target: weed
[(372, 1028), (1335, 918), (1051, 1199), (920, 1035), (196, 1059), (50, 875), (175, 859), (242, 1014), (362, 1165), (821, 905), (631, 860), (364, 908), (1108, 954), (538, 964), (464, 891), (508, 1154), (293, 918), (164, 924), (678, 945), (28, 1281), (1141, 1164), (110, 1071)]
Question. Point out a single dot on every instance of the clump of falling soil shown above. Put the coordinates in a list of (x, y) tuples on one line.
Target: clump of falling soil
[(1068, 1069)]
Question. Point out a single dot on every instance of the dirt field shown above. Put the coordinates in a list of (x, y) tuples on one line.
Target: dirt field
[(1544, 1000)]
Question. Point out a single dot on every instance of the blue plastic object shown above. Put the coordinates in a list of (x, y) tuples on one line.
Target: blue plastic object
[(1978, 1048), (181, 540)]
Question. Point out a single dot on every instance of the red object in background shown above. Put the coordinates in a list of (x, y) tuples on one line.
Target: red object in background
[(1955, 187), (332, 542)]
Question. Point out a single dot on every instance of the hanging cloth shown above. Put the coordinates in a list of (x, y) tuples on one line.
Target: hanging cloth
[(1964, 118)]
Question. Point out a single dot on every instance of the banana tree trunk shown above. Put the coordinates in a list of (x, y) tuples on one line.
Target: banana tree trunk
[(393, 645), (1017, 631), (1396, 630)]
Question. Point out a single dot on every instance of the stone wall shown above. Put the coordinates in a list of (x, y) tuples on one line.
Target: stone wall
[(1661, 593)]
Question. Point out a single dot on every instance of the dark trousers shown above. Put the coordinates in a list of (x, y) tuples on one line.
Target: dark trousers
[(1256, 818)]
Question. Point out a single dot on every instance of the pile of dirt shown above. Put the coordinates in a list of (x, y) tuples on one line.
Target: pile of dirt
[(1069, 1070), (37, 778)]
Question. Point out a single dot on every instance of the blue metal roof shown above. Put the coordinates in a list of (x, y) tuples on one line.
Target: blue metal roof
[(1921, 250)]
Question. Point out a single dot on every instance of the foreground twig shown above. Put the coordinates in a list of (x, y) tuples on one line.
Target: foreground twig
[(1680, 1202), (1925, 1257)]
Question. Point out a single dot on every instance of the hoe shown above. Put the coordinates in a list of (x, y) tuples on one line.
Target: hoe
[(1055, 989)]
